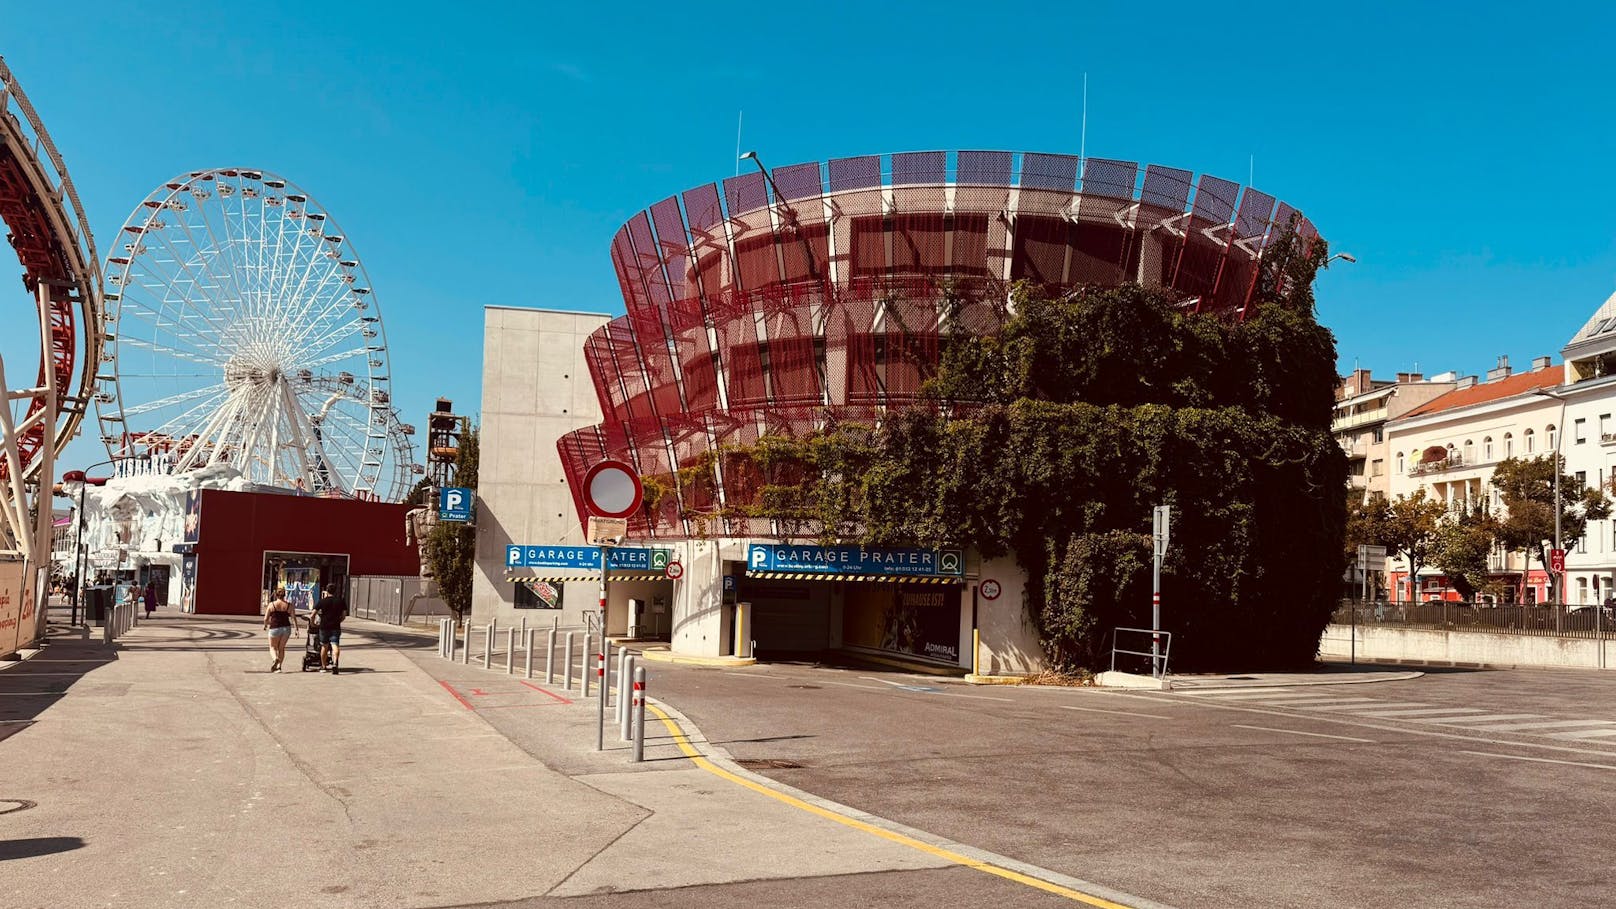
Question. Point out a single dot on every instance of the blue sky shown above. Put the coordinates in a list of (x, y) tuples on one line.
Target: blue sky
[(486, 155)]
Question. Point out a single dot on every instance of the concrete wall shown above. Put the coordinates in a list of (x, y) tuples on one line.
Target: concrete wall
[(536, 388), (1429, 645), (1008, 640)]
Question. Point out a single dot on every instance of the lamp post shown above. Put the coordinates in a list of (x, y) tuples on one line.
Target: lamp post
[(796, 226), (80, 554), (1345, 257)]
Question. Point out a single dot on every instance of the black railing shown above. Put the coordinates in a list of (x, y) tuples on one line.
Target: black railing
[(1564, 620)]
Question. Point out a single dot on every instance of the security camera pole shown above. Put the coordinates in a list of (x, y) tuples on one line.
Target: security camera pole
[(612, 492), (1161, 520)]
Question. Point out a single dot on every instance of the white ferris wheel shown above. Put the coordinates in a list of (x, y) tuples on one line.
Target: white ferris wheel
[(244, 332)]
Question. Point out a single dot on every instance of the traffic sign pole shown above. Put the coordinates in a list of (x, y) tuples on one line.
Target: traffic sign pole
[(600, 657), (1161, 519)]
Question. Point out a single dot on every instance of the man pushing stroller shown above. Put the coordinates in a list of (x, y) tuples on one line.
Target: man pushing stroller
[(326, 620)]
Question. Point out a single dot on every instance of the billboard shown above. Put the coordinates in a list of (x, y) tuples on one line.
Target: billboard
[(13, 581)]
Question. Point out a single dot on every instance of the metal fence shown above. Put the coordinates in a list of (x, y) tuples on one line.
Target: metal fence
[(1564, 620)]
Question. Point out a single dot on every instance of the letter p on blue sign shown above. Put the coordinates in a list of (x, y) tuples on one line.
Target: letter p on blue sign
[(454, 503)]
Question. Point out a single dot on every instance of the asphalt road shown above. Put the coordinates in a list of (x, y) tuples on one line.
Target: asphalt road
[(1455, 789)]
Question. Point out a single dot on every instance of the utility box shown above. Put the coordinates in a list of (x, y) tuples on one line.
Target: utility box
[(636, 609)]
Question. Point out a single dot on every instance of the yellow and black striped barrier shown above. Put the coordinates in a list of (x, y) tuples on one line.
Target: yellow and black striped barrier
[(824, 576), (563, 578)]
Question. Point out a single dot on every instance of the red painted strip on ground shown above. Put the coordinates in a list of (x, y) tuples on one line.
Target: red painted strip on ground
[(543, 691), (449, 688), (505, 706)]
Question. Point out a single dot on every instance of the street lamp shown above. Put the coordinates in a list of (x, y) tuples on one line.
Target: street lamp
[(1348, 257), (796, 226), (1558, 577), (80, 555)]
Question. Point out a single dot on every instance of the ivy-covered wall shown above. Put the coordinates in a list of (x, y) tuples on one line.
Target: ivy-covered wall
[(1053, 439)]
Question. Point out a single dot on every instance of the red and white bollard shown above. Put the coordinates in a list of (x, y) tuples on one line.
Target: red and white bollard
[(639, 714)]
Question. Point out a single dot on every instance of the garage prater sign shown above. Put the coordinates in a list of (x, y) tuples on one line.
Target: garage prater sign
[(856, 560)]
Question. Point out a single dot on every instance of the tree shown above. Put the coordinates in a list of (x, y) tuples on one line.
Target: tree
[(451, 548), (1411, 529), (1526, 486), (1460, 549)]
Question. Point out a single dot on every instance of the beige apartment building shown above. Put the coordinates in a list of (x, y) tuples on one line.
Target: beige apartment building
[(1363, 406)]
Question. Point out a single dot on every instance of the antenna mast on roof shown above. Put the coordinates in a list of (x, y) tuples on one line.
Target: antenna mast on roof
[(1083, 135), (738, 115)]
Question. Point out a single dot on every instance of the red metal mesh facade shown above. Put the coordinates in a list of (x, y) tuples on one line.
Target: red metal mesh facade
[(758, 307)]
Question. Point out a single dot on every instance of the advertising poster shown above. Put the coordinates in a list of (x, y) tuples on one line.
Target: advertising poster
[(193, 516), (188, 583), (538, 595), (13, 578), (920, 621)]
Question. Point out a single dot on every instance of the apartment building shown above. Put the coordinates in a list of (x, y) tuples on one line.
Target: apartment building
[(1363, 406)]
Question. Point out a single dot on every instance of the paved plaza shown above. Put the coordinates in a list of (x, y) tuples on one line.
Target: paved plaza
[(172, 769)]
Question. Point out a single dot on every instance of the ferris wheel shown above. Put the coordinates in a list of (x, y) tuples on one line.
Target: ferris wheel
[(245, 333)]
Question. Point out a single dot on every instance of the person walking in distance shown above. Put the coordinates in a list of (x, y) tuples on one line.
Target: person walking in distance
[(331, 610), (278, 620), (150, 596)]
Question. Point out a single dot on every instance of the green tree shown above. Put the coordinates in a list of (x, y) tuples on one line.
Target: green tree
[(1526, 486), (1461, 547), (451, 549), (1408, 529)]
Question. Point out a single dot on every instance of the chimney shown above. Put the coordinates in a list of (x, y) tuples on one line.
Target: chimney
[(1404, 378), (1466, 382), (1501, 371), (1540, 363)]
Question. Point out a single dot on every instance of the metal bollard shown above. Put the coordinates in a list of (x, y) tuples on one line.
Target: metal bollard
[(566, 664), (549, 659), (639, 714), (625, 713), (584, 662), (440, 637), (488, 645), (510, 650), (466, 653), (527, 652), (622, 686)]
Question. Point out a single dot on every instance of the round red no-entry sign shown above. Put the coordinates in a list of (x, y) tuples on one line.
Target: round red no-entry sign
[(990, 589), (612, 490), (674, 571)]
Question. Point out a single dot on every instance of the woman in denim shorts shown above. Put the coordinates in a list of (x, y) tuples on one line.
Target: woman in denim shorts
[(278, 619)]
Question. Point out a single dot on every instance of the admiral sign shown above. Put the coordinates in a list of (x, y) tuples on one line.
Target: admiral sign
[(856, 560), (586, 558)]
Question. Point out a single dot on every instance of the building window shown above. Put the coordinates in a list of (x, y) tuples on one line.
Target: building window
[(1487, 449), (1531, 442), (1377, 467), (1582, 590), (1554, 440), (1399, 462), (1469, 452), (1604, 426), (1582, 543), (1582, 480), (1509, 445), (1579, 431), (1380, 434)]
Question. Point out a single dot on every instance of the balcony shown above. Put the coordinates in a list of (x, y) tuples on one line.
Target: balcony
[(1348, 421), (1453, 461)]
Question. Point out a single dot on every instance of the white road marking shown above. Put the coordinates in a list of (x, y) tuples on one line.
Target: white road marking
[(1583, 734), (1310, 699), (1317, 735), (1428, 712), (1148, 716), (1485, 718), (1516, 757), (1557, 724), (1372, 706), (985, 697), (1237, 694), (871, 678)]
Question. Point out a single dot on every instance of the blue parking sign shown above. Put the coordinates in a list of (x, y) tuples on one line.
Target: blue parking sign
[(454, 503)]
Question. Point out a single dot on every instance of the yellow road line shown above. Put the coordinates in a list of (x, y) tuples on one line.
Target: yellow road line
[(938, 851)]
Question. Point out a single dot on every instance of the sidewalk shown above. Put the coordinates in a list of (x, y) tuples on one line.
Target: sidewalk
[(173, 769)]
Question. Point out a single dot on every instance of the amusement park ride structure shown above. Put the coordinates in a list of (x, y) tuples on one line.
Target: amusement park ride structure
[(245, 333), (51, 237)]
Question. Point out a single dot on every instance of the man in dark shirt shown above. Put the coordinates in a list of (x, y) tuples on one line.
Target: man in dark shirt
[(329, 613)]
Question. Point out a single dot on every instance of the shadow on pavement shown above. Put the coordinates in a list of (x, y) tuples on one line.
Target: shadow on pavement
[(32, 686), (37, 846)]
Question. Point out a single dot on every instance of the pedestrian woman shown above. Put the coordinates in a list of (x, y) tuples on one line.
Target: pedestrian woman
[(150, 596), (278, 619)]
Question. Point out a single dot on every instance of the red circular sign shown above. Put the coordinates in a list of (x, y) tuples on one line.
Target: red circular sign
[(612, 490), (674, 571), (990, 589)]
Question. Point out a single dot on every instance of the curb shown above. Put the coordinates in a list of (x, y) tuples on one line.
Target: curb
[(664, 656)]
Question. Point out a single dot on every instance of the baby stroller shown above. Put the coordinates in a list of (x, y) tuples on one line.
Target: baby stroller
[(311, 645)]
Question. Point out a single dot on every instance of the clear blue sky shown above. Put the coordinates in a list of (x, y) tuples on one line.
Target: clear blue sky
[(478, 155)]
